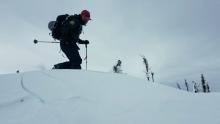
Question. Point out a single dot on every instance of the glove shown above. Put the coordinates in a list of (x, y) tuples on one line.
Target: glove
[(86, 42)]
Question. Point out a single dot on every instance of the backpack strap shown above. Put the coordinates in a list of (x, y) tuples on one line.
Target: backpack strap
[(66, 19)]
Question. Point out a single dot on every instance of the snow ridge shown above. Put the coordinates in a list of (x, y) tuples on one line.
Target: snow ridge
[(31, 92)]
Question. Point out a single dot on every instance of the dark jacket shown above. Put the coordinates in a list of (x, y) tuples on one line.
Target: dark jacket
[(71, 30)]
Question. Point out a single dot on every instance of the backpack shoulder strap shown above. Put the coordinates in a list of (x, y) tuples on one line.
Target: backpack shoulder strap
[(60, 18)]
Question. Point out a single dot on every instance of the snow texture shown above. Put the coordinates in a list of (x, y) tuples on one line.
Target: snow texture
[(86, 97)]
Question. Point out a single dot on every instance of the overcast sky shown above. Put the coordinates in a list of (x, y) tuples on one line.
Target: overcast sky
[(180, 38)]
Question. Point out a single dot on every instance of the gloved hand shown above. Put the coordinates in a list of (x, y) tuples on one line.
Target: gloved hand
[(86, 42)]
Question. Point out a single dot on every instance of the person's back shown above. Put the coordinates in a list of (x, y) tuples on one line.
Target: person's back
[(71, 29)]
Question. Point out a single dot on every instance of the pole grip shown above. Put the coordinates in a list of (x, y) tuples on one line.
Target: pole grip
[(35, 41)]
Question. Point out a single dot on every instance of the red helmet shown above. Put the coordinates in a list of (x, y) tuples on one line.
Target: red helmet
[(85, 13)]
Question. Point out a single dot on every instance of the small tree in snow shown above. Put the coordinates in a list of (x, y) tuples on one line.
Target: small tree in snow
[(117, 67), (187, 86), (205, 85), (195, 87), (147, 72), (208, 88), (178, 86), (152, 76)]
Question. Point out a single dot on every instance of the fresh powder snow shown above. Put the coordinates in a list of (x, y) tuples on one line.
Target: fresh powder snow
[(89, 97)]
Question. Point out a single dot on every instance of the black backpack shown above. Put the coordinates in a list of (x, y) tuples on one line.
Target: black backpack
[(55, 26)]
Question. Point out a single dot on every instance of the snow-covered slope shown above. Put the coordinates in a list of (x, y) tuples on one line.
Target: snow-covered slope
[(86, 97)]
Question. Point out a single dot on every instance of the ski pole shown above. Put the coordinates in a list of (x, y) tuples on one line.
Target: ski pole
[(86, 57), (37, 41)]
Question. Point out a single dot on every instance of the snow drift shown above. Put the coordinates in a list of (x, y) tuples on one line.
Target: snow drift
[(86, 97)]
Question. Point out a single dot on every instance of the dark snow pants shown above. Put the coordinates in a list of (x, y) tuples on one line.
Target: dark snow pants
[(72, 53)]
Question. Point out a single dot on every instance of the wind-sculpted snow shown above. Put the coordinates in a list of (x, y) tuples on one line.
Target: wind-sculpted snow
[(86, 97)]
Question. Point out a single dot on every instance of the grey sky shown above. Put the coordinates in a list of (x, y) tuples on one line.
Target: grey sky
[(180, 38)]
